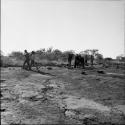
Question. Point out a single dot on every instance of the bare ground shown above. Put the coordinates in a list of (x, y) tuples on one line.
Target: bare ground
[(63, 96)]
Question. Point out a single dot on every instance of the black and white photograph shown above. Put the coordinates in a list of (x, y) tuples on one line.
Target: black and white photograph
[(62, 62)]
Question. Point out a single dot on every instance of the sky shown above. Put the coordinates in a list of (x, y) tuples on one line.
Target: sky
[(63, 24)]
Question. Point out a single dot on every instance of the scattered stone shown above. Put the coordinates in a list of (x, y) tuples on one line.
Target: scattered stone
[(84, 73), (9, 68), (101, 71), (98, 79), (61, 93), (33, 98), (69, 113), (44, 90), (39, 97), (51, 86), (49, 68)]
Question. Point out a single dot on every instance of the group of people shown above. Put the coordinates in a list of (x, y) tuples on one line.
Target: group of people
[(29, 60), (80, 61)]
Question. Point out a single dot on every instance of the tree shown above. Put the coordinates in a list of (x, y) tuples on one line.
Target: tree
[(99, 58), (49, 50), (108, 59), (18, 55), (43, 50), (120, 57), (86, 52), (66, 53), (57, 54), (94, 52)]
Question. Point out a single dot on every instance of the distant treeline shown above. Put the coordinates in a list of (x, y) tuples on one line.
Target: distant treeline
[(55, 54), (42, 55), (49, 55)]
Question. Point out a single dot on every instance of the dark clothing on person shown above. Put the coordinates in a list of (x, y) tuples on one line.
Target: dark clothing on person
[(86, 60), (82, 62), (79, 61), (32, 63), (70, 56), (76, 61), (92, 59), (27, 60)]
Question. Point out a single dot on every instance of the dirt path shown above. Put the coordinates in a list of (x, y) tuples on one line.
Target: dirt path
[(61, 96)]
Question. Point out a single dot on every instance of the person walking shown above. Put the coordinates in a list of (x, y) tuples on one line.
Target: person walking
[(70, 57), (92, 59), (27, 60), (32, 59)]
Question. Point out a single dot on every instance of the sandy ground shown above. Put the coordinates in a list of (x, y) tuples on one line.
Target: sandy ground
[(63, 96)]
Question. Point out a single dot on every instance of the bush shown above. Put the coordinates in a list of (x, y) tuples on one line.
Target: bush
[(8, 61), (17, 55)]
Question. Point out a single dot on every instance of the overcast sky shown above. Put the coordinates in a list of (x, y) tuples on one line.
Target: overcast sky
[(63, 24)]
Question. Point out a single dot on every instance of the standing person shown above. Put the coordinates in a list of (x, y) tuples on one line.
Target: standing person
[(32, 59), (86, 60), (70, 56), (27, 60), (77, 61), (82, 62), (92, 59)]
